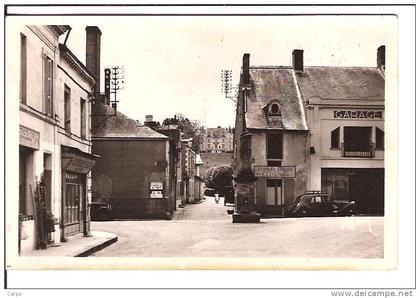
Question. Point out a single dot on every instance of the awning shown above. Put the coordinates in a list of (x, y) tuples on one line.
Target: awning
[(75, 160)]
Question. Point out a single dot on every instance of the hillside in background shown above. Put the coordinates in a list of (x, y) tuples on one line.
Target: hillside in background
[(214, 159)]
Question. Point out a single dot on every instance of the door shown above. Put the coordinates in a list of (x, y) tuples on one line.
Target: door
[(274, 192), (72, 204)]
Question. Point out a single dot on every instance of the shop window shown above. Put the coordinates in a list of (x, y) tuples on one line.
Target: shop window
[(67, 109), (275, 146), (48, 85), (335, 138), (23, 65), (379, 139), (83, 118)]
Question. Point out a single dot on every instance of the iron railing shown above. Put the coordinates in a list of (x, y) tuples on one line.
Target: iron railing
[(358, 151)]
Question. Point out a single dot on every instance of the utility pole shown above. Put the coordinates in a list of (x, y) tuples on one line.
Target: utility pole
[(226, 85), (114, 81)]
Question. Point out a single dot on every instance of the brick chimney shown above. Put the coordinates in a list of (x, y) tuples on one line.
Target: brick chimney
[(297, 60), (93, 55), (245, 69), (380, 58)]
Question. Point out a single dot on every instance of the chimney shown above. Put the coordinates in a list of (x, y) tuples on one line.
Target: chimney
[(297, 60), (380, 58), (245, 69), (93, 55), (149, 118)]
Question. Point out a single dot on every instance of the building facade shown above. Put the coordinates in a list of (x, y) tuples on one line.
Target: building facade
[(312, 129), (133, 173), (217, 140), (345, 112), (54, 142), (271, 136), (189, 179)]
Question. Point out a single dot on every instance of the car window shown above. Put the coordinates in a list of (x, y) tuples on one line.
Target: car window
[(317, 199)]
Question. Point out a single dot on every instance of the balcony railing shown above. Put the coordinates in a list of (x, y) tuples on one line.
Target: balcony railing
[(363, 152)]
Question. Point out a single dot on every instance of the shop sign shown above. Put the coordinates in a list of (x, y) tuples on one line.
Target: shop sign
[(358, 114), (275, 172), (156, 194), (28, 137), (243, 188), (156, 190), (156, 185)]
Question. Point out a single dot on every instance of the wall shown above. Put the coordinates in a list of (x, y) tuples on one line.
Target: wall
[(322, 122), (123, 173), (295, 151)]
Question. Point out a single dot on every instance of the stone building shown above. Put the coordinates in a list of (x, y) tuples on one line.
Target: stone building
[(54, 93), (271, 136), (312, 128), (135, 171), (189, 174), (217, 140)]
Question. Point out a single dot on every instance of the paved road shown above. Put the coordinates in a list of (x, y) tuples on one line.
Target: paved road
[(206, 230)]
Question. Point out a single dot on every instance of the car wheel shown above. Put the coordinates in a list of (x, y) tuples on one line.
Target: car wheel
[(351, 212), (103, 215), (303, 212)]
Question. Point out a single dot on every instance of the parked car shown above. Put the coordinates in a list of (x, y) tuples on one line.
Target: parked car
[(316, 203), (100, 211)]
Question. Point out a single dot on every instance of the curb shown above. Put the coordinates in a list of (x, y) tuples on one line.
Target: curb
[(98, 247)]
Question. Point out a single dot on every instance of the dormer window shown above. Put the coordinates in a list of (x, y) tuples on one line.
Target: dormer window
[(274, 116), (275, 109)]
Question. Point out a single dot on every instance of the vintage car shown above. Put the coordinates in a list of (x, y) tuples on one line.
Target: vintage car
[(100, 211), (316, 203)]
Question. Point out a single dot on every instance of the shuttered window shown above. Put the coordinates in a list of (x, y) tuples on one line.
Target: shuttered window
[(48, 85)]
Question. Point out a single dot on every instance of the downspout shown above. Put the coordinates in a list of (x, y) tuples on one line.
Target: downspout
[(67, 36)]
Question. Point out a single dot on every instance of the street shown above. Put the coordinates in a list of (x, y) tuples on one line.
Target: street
[(206, 230)]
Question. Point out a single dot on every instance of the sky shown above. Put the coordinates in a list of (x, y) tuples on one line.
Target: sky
[(173, 64)]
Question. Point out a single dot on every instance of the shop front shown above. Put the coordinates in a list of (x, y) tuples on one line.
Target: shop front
[(364, 186), (76, 166), (29, 140)]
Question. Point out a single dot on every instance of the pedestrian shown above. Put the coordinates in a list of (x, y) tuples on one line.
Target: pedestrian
[(216, 197)]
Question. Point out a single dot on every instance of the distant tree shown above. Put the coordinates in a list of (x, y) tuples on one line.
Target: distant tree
[(188, 128), (218, 177)]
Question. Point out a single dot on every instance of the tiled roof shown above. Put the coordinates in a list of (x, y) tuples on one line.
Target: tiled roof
[(106, 125), (274, 83), (342, 83)]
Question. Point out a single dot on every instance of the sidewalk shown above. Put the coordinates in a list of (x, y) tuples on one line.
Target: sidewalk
[(79, 246)]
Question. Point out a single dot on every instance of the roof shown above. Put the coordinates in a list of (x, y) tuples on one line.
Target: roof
[(328, 82), (105, 124), (270, 83), (76, 63)]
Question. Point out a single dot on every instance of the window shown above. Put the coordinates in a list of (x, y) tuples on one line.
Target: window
[(48, 86), (274, 146), (83, 118), (23, 68), (335, 138), (379, 139), (357, 140), (275, 108), (67, 110)]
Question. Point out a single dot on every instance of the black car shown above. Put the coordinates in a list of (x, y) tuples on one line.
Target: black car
[(316, 203), (100, 211)]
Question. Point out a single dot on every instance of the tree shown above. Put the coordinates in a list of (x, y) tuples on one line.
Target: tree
[(188, 128), (219, 177)]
